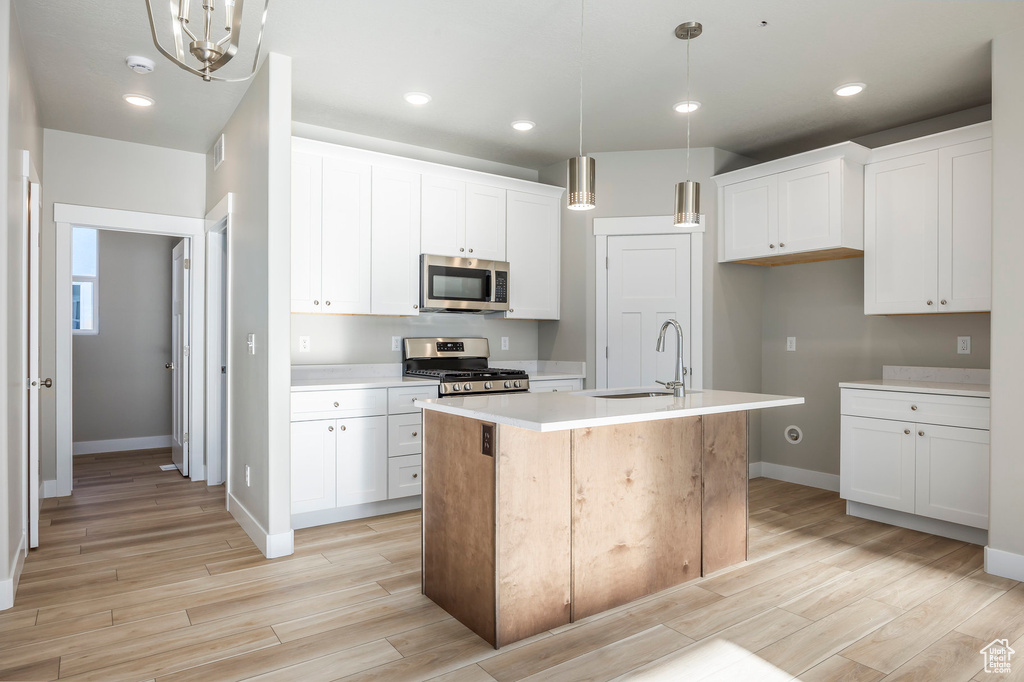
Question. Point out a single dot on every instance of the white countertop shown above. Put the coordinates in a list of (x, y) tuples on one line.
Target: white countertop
[(349, 383), (561, 411), (909, 386)]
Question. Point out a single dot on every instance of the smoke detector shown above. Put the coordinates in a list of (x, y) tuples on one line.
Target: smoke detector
[(140, 64)]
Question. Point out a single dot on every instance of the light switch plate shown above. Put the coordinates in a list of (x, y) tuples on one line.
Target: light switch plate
[(396, 343), (303, 344), (791, 343), (504, 343), (963, 345), (251, 343)]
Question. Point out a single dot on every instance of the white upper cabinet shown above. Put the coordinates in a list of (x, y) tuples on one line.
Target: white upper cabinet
[(462, 219), (485, 222), (345, 237), (395, 244), (533, 247), (794, 210), (928, 225), (306, 247)]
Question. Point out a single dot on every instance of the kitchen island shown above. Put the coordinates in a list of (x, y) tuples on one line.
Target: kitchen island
[(542, 509)]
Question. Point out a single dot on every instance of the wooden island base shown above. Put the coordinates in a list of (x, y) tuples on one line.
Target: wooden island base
[(557, 526)]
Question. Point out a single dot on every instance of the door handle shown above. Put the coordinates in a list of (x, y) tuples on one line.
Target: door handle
[(169, 365), (45, 383)]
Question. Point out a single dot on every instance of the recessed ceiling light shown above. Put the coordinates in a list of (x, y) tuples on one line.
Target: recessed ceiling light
[(686, 106), (849, 89), (138, 100), (524, 125), (417, 98)]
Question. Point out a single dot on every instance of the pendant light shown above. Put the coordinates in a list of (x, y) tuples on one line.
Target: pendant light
[(687, 212), (581, 196)]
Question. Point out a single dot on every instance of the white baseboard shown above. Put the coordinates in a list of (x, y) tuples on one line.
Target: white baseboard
[(272, 546), (1004, 564), (9, 586), (92, 447), (323, 517), (946, 529), (779, 472), (755, 470), (50, 488)]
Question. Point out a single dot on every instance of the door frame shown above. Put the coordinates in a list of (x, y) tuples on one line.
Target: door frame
[(649, 225), (67, 216), (218, 270)]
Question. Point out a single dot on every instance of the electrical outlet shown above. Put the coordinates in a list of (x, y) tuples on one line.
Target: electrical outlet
[(504, 343), (396, 343), (791, 343), (303, 344), (963, 345), (247, 483)]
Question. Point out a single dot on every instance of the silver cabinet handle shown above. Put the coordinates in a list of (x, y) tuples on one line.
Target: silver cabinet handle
[(337, 405), (929, 302), (782, 245), (914, 408), (330, 428), (471, 250), (414, 434), (461, 249), (342, 427), (415, 475), (906, 431), (771, 246), (511, 310), (315, 302), (942, 302), (415, 307), (327, 302), (920, 433)]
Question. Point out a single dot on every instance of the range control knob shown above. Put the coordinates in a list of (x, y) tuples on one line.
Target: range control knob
[(518, 384), (456, 387), (508, 384), (488, 385), (468, 387)]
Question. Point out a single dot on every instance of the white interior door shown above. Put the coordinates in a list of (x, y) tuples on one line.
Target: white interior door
[(179, 356), (648, 283), (34, 211)]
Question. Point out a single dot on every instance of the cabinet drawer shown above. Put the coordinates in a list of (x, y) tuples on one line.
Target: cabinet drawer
[(308, 405), (400, 399), (405, 476), (405, 434), (921, 408), (555, 386)]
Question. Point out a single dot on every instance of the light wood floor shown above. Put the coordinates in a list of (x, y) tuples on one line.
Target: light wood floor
[(142, 574)]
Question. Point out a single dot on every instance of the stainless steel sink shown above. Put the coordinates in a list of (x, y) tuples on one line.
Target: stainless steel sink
[(644, 394)]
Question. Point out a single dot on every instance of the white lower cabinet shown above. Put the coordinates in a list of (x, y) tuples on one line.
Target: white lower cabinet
[(555, 385), (313, 466), (405, 476), (362, 460), (935, 469)]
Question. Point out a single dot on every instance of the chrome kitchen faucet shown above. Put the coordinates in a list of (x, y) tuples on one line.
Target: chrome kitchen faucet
[(677, 386)]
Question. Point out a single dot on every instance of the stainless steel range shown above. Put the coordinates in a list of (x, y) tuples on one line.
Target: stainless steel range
[(460, 364)]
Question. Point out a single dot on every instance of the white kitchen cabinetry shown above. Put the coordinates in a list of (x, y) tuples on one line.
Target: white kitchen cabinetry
[(555, 385), (330, 235), (533, 244), (395, 243), (794, 210), (923, 454), (462, 220), (313, 465), (362, 453), (928, 225)]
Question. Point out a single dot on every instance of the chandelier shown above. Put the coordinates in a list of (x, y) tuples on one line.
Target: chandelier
[(206, 52)]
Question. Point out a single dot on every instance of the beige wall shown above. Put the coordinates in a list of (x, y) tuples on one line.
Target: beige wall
[(1006, 517), (95, 171), (257, 172), (121, 389)]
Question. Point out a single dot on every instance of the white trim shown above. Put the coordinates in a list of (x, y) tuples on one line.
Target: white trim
[(68, 215), (848, 150), (651, 224), (946, 138), (924, 524), (92, 447), (814, 479), (696, 370), (49, 488), (1004, 564), (754, 470), (272, 546), (218, 224), (9, 586), (323, 517)]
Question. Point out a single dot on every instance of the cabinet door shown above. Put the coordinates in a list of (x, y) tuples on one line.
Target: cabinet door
[(362, 460), (395, 246), (533, 246), (965, 227), (876, 462), (307, 172), (443, 217), (901, 235), (952, 474), (811, 207), (345, 237), (750, 227), (485, 222), (313, 465)]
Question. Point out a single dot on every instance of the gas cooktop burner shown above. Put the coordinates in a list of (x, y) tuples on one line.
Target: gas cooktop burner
[(460, 365)]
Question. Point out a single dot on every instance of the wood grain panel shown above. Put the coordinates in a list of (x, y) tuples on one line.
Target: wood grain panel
[(724, 480), (459, 522), (636, 511), (805, 257), (534, 532)]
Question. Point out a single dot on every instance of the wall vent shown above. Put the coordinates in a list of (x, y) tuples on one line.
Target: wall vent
[(218, 152)]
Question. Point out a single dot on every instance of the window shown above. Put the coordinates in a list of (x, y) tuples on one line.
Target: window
[(85, 283)]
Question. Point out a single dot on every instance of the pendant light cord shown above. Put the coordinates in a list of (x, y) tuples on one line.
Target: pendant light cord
[(582, 9), (689, 103)]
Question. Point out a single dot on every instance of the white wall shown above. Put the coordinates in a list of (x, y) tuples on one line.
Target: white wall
[(257, 171), (21, 130), (121, 388), (95, 171), (1006, 517)]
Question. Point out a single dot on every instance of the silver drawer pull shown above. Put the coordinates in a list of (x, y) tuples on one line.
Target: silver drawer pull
[(337, 405), (342, 427), (414, 434), (330, 428), (920, 433), (415, 475), (906, 431), (914, 408)]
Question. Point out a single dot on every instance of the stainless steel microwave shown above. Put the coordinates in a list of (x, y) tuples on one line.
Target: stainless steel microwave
[(462, 285)]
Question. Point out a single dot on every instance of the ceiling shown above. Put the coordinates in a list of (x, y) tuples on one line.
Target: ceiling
[(766, 91)]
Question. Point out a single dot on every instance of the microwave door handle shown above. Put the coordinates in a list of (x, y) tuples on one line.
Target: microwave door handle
[(488, 286)]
